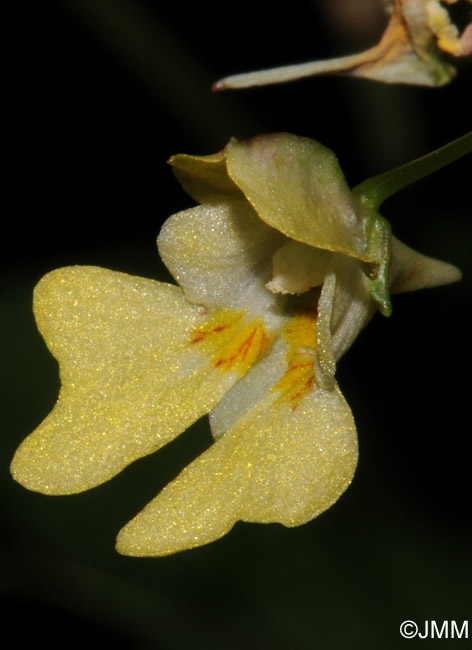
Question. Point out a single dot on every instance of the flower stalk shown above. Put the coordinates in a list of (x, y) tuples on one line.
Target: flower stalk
[(374, 191)]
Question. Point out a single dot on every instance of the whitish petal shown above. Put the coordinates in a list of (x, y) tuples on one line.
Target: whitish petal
[(286, 459), (138, 365), (221, 255), (296, 186)]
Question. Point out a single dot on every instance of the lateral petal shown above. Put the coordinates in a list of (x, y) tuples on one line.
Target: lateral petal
[(286, 460), (138, 365), (221, 255)]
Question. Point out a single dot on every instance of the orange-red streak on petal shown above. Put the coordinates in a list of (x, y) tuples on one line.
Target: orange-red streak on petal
[(299, 376), (246, 351), (231, 345), (296, 382), (202, 334)]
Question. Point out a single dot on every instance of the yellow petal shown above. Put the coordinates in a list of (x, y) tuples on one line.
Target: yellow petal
[(138, 365), (205, 178), (286, 460)]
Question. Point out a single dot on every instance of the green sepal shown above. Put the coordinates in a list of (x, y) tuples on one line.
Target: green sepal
[(379, 238), (374, 191)]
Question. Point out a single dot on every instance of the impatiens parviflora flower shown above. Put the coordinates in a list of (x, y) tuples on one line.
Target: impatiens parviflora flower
[(411, 51), (278, 270)]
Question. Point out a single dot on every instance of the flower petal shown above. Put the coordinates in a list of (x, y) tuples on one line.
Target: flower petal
[(280, 462), (205, 178), (221, 255), (138, 365), (296, 186)]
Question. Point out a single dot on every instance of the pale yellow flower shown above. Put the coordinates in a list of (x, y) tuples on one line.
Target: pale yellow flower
[(410, 51), (279, 269)]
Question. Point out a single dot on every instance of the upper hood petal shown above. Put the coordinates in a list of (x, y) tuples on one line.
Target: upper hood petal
[(294, 184)]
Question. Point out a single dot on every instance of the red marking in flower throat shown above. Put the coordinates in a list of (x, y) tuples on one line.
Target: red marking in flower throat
[(199, 335), (231, 344), (245, 349)]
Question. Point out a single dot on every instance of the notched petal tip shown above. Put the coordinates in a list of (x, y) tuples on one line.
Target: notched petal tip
[(130, 380)]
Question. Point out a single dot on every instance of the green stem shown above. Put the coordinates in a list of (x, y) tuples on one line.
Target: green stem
[(375, 190)]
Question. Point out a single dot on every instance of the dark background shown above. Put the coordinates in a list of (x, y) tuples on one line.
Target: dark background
[(99, 95)]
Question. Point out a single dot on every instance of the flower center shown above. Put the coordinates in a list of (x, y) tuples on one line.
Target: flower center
[(297, 268)]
